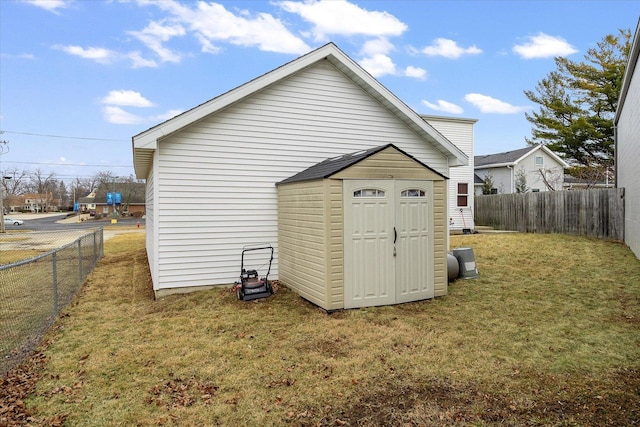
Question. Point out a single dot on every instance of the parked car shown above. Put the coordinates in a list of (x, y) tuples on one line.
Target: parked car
[(12, 221)]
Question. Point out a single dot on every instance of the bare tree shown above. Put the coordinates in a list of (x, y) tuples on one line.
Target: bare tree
[(14, 182), (551, 178), (40, 182)]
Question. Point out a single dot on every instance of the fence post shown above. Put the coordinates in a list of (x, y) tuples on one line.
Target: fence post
[(55, 284), (79, 261), (95, 248)]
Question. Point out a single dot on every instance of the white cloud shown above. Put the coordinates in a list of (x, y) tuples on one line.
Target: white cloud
[(137, 61), (128, 98), (379, 65), (449, 49), (155, 34), (118, 116), (165, 116), (211, 23), (444, 106), (544, 46), (50, 5), (344, 18), (415, 72), (103, 56), (376, 46), (487, 104)]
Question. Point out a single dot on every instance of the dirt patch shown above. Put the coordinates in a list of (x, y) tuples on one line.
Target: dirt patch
[(549, 400)]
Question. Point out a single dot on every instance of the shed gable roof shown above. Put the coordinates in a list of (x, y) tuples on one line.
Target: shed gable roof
[(332, 166), (145, 143), (512, 158)]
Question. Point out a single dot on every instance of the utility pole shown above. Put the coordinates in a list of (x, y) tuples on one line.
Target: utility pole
[(4, 148)]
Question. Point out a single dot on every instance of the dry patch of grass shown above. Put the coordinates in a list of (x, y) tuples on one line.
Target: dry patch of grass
[(11, 256), (547, 335)]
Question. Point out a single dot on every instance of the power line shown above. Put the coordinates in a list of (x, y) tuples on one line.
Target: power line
[(69, 164), (85, 138)]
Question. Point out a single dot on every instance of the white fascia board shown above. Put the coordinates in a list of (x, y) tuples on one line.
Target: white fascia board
[(530, 152), (495, 165), (546, 150), (628, 74), (449, 119), (555, 157), (148, 139)]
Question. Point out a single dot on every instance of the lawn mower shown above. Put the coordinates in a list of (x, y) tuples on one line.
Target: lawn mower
[(251, 286)]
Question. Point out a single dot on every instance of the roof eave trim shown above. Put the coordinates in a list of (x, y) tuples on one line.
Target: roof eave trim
[(629, 71), (147, 138), (494, 165)]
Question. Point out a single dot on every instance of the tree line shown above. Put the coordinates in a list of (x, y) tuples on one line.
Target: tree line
[(17, 182)]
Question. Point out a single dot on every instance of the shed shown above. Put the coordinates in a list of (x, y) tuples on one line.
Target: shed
[(364, 229)]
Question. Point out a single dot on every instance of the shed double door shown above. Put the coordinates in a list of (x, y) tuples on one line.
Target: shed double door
[(388, 242)]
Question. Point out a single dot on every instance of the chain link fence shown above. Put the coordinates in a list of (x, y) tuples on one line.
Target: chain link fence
[(35, 289)]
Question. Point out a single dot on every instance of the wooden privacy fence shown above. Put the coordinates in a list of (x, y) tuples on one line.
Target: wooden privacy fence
[(597, 212)]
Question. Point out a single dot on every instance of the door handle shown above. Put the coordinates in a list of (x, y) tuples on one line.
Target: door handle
[(395, 235)]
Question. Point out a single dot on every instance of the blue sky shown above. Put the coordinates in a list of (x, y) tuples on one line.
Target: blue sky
[(79, 78)]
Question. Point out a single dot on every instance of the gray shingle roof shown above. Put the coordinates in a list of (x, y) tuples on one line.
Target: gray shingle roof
[(501, 158), (331, 166)]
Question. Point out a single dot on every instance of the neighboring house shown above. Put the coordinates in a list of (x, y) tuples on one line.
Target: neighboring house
[(461, 179), (128, 209), (228, 153), (573, 183), (130, 203), (87, 204), (537, 167), (627, 146), (40, 202)]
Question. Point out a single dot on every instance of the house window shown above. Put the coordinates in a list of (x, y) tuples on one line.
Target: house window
[(412, 193), (368, 192), (463, 194), (539, 162)]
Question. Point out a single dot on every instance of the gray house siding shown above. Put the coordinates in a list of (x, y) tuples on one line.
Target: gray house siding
[(628, 148)]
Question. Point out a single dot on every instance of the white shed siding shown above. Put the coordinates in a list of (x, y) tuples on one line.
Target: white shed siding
[(628, 158), (460, 133), (216, 178)]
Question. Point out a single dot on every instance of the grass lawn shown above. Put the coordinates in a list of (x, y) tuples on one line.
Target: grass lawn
[(549, 334)]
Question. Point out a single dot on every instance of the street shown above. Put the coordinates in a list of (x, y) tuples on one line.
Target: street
[(59, 221)]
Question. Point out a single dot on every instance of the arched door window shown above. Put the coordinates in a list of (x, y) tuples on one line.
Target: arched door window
[(413, 192), (369, 192)]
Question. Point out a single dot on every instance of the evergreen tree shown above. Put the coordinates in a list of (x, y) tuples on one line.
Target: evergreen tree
[(487, 184), (578, 102), (521, 181)]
